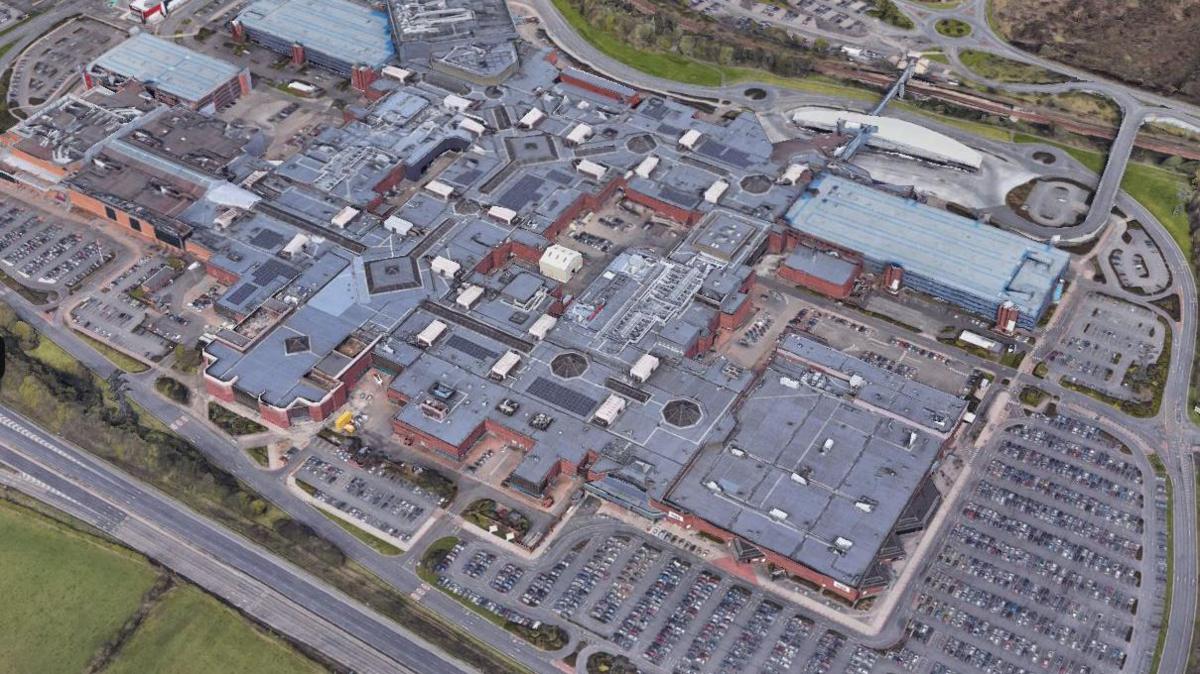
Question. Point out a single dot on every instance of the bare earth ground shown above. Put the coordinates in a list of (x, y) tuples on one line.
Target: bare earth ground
[(1154, 44)]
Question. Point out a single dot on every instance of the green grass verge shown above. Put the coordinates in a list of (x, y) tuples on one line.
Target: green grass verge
[(993, 67), (189, 632), (65, 593), (989, 131), (76, 405), (371, 540), (1161, 471), (1159, 191), (119, 358), (259, 454), (953, 28)]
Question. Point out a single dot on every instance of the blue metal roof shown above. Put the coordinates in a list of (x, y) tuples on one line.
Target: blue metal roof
[(166, 66), (970, 257), (343, 30)]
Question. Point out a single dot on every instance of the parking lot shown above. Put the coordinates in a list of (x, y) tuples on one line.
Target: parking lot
[(1139, 263), (381, 500), (49, 64), (142, 310), (1107, 337), (660, 605), (1046, 569), (843, 16), (48, 253), (1053, 562)]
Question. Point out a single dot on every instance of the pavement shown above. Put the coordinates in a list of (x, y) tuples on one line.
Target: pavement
[(139, 515)]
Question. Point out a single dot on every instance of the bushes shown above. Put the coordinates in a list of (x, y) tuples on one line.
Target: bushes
[(173, 389), (887, 12), (71, 402), (231, 423)]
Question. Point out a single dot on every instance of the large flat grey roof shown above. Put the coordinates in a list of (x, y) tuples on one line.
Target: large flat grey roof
[(344, 30), (166, 66), (959, 253), (846, 453)]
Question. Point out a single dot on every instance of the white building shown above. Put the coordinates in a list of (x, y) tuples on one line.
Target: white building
[(560, 263)]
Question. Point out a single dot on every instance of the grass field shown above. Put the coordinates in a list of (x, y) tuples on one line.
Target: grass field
[(189, 632), (65, 594), (993, 67), (953, 28)]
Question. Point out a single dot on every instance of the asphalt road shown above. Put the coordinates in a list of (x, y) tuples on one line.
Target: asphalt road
[(131, 511)]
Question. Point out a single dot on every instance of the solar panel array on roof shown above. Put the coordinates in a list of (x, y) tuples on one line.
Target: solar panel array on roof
[(270, 270), (241, 293), (267, 239), (560, 396), (460, 343), (521, 193), (724, 153)]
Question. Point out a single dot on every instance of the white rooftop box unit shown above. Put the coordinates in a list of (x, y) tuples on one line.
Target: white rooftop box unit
[(865, 505), (541, 327), (560, 263), (397, 73), (505, 215), (456, 103), (843, 543), (444, 266), (827, 445), (504, 366), (647, 166), (737, 451), (472, 125), (397, 225), (689, 139), (715, 191), (799, 479), (580, 133), (793, 174), (469, 296), (344, 217), (777, 514), (591, 168), (531, 118), (643, 368), (609, 410), (430, 334), (440, 188)]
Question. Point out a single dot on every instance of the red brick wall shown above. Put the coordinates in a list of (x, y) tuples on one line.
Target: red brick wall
[(417, 438), (790, 565), (221, 275), (273, 415), (508, 435), (607, 93), (681, 215), (218, 389), (820, 285)]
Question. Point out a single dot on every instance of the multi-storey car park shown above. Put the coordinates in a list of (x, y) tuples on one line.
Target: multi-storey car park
[(173, 74), (543, 257)]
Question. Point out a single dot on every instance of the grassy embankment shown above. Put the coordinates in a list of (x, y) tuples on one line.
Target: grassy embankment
[(44, 383), (73, 599)]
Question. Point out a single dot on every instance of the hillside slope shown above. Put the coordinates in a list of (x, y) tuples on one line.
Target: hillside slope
[(1154, 45)]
